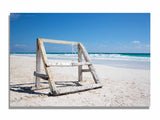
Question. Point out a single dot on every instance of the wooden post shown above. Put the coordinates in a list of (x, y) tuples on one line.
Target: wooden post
[(48, 70), (38, 66), (92, 69), (79, 60)]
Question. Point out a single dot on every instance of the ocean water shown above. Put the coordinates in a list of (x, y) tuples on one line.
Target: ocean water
[(124, 60)]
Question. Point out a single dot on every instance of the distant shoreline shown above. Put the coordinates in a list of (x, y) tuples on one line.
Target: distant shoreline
[(90, 53), (71, 53)]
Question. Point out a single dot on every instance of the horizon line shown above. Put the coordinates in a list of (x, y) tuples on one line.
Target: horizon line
[(77, 52)]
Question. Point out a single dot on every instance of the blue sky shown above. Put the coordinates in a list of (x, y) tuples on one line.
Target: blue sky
[(99, 32)]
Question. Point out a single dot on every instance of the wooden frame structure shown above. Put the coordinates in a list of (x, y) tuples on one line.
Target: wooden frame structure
[(41, 53)]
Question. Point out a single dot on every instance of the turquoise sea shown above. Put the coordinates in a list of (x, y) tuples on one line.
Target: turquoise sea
[(124, 60)]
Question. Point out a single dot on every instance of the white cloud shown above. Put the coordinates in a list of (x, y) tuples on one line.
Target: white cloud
[(20, 45), (14, 16), (136, 42)]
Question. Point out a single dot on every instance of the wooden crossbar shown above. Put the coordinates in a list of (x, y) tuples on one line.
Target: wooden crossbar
[(58, 41), (86, 70), (41, 53), (43, 76)]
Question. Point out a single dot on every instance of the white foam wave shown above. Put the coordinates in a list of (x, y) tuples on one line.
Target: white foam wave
[(102, 57), (94, 57)]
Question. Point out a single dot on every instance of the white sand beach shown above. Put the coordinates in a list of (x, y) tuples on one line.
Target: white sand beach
[(122, 87)]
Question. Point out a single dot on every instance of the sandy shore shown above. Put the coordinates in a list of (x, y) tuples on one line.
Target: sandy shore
[(121, 87)]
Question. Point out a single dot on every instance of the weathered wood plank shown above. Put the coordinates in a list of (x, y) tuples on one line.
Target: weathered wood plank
[(43, 76), (43, 52), (86, 70), (77, 89), (79, 60), (92, 69), (51, 80), (67, 64), (38, 65), (85, 53), (48, 70), (59, 41)]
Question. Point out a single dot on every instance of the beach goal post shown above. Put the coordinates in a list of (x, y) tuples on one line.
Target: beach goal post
[(41, 53)]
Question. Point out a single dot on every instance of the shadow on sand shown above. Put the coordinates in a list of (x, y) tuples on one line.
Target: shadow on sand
[(31, 89)]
